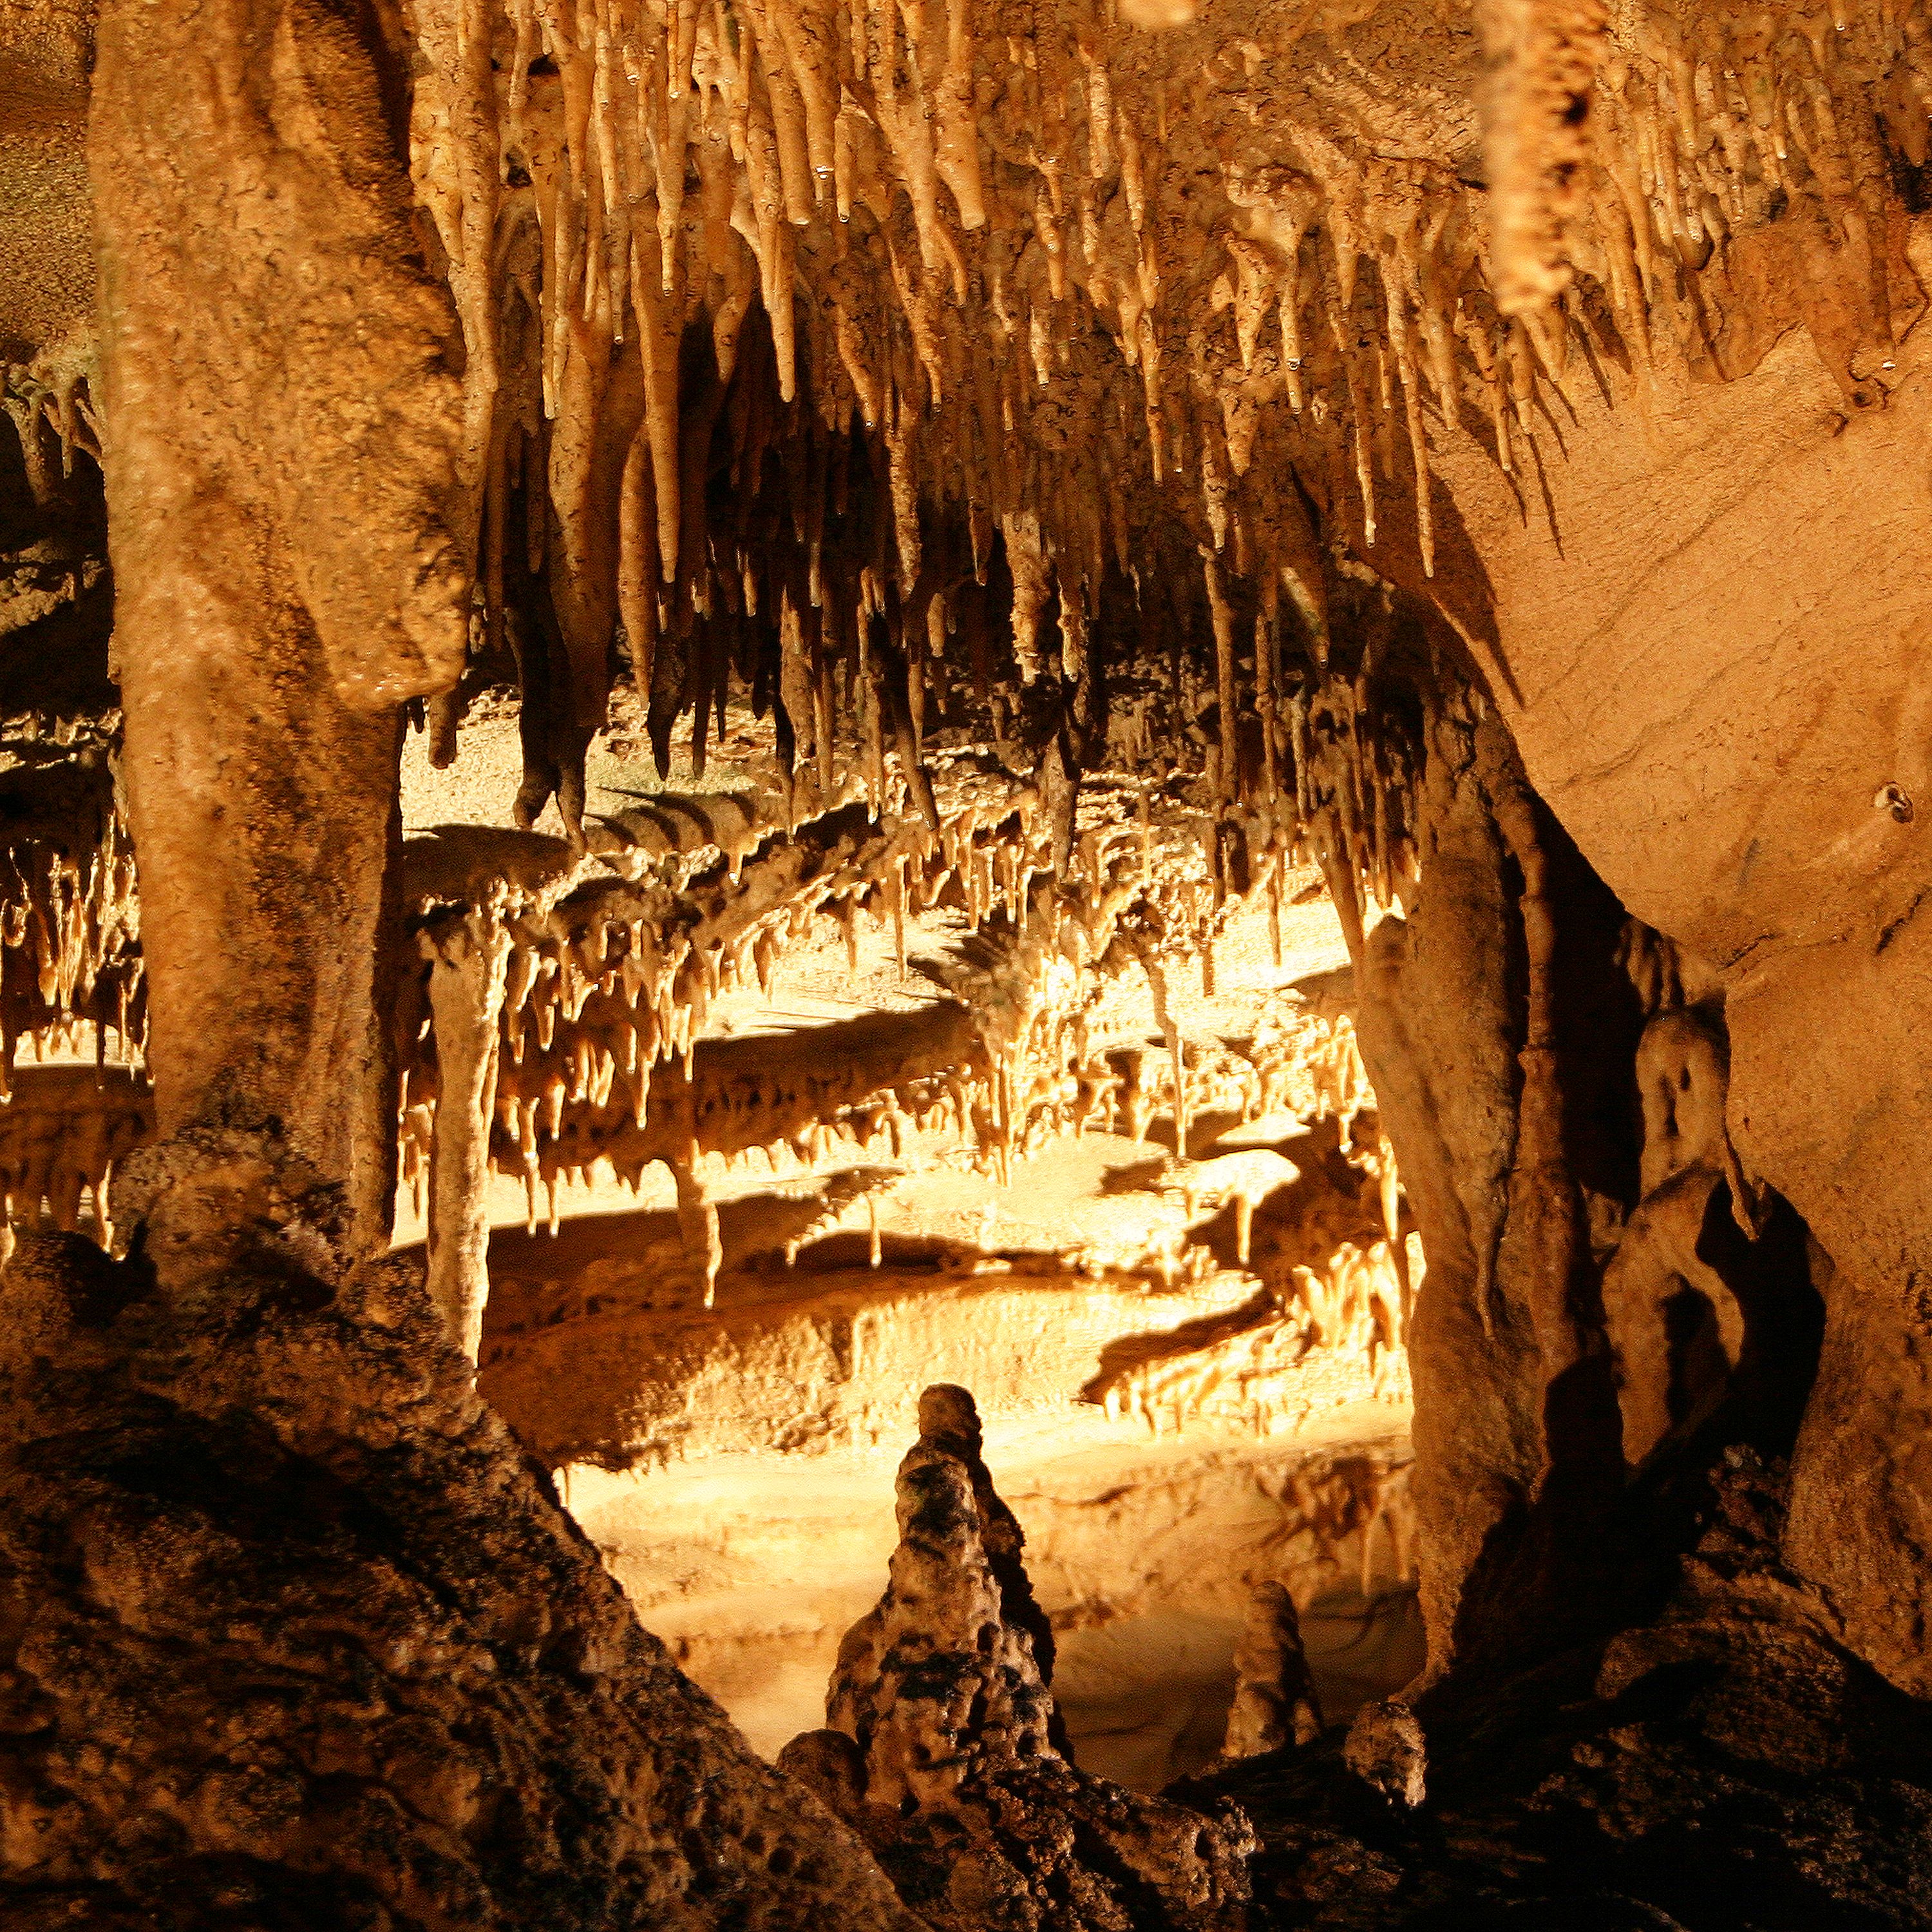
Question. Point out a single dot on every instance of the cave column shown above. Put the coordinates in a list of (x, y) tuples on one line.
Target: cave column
[(280, 431), (468, 961), (1497, 1029)]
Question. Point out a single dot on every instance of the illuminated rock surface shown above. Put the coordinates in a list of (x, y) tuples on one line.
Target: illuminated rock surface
[(943, 1748), (295, 1638), (1207, 716)]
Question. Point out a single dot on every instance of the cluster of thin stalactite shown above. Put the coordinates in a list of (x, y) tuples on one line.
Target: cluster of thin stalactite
[(892, 368)]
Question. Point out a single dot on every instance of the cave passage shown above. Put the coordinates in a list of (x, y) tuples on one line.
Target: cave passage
[(961, 967)]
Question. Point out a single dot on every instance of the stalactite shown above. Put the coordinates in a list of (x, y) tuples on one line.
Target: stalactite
[(468, 956), (1542, 55), (71, 979), (854, 174)]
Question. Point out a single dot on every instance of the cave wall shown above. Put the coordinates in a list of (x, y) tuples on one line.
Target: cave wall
[(1704, 636), (1695, 610), (1614, 1305), (1500, 1032)]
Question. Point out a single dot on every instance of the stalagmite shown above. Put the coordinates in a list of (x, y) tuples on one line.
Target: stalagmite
[(1275, 1703), (940, 1743), (468, 958), (1387, 1751)]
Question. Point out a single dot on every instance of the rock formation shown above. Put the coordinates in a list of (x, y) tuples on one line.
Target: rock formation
[(1275, 1703), (1108, 475), (1387, 1751), (297, 1649), (1706, 1299), (941, 1747), (1690, 1772)]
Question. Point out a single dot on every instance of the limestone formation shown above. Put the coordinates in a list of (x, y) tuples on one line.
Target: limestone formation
[(1243, 1179), (1059, 491), (302, 1650), (1696, 1317), (1633, 1785), (941, 1749), (1275, 1703), (61, 1135), (1387, 1751), (947, 1682)]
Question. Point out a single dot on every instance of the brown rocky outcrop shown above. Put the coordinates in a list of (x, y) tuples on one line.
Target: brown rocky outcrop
[(1728, 1764), (941, 1749), (292, 1636)]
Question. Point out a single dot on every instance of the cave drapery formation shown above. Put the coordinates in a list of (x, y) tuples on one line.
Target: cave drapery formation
[(1132, 461)]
